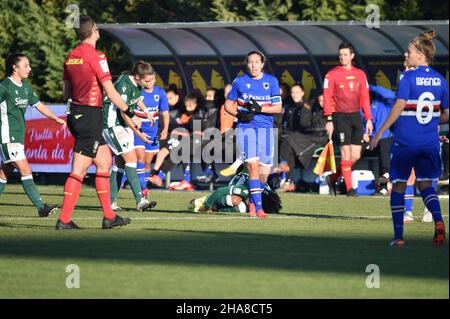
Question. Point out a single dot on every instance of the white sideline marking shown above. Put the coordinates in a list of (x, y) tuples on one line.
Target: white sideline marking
[(204, 218)]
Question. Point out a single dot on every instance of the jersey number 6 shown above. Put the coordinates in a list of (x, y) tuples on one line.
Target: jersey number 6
[(425, 100)]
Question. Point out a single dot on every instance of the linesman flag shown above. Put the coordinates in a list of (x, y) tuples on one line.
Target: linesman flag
[(326, 161)]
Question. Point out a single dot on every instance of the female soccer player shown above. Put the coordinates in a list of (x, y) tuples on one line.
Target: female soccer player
[(422, 103), (119, 135), (258, 97), (16, 95)]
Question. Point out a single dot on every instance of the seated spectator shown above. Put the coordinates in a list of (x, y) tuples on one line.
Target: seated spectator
[(305, 132)]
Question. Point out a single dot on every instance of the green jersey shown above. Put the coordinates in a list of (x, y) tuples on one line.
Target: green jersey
[(130, 93), (14, 100), (238, 186)]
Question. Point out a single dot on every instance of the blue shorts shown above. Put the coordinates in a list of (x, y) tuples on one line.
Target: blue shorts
[(152, 132), (425, 160), (255, 143)]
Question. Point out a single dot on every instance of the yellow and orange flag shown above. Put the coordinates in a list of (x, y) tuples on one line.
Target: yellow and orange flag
[(326, 161)]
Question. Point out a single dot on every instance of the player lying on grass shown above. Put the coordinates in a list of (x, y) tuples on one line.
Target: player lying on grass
[(235, 198)]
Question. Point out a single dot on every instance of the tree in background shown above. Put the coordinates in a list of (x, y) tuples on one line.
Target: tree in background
[(38, 27)]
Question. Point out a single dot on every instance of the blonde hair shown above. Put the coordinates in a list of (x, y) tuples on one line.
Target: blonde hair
[(424, 44)]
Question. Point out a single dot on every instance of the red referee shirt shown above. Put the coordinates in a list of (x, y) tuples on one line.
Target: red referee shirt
[(85, 69), (346, 91)]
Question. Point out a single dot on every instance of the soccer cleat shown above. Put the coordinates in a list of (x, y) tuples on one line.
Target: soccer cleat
[(408, 217), (154, 180), (352, 193), (183, 186), (260, 213), (46, 210), (439, 234), (117, 221), (145, 204), (427, 217), (144, 193), (115, 207), (229, 171), (61, 226), (197, 203), (252, 210), (397, 243)]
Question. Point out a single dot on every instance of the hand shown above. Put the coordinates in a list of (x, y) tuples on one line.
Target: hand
[(163, 135), (150, 117), (61, 122), (253, 106), (330, 128), (374, 142), (366, 138), (144, 137), (245, 117), (369, 127)]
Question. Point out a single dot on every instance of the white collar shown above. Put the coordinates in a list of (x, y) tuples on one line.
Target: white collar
[(17, 84)]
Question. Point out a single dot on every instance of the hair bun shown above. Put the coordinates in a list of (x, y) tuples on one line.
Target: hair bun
[(428, 35)]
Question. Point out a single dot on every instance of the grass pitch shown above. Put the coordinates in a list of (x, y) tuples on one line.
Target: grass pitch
[(318, 248)]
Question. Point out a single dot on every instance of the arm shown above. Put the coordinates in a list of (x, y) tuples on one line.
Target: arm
[(114, 96), (67, 90), (364, 101), (383, 92), (444, 117), (143, 108), (46, 112), (165, 130), (229, 107), (272, 109), (396, 110)]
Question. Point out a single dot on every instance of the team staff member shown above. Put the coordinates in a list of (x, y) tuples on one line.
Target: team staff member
[(258, 98), (345, 91), (16, 95), (86, 74)]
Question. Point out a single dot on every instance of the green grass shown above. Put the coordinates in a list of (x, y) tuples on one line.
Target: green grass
[(318, 248)]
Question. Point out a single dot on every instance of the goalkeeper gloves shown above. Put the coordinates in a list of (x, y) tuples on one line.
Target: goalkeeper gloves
[(253, 106), (245, 117)]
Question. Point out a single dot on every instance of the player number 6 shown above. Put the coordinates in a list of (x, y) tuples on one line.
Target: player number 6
[(425, 100)]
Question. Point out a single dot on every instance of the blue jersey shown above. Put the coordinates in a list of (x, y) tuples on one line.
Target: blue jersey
[(155, 102), (426, 93), (265, 91)]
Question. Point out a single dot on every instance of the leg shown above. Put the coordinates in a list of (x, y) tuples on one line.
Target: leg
[(346, 165), (5, 172), (103, 162), (140, 168)]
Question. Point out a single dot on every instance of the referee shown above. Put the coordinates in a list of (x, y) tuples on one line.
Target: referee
[(345, 92), (86, 75)]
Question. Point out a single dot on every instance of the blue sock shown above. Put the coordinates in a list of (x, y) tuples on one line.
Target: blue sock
[(141, 174), (431, 201), (397, 208), (254, 186), (162, 175), (208, 171), (187, 173), (409, 198)]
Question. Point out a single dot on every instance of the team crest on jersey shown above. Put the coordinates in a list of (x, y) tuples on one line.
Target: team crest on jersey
[(156, 98), (248, 85), (266, 85)]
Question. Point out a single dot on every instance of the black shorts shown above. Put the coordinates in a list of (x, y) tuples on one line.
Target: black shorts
[(86, 125), (348, 128)]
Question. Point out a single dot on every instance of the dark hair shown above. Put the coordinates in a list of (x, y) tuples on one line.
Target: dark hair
[(85, 28), (142, 68), (299, 85), (173, 88), (271, 202), (261, 55), (424, 44), (347, 45), (11, 60)]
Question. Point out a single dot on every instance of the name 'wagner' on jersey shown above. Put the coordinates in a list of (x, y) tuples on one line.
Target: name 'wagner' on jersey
[(426, 93)]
